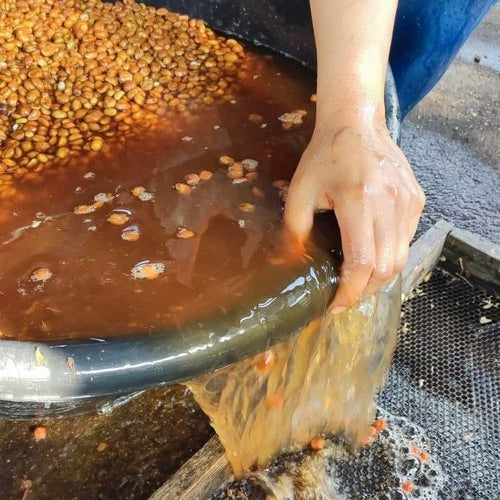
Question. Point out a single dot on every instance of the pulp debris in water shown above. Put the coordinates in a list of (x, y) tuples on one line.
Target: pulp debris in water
[(170, 151)]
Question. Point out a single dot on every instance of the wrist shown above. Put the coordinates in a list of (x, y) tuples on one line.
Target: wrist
[(349, 112)]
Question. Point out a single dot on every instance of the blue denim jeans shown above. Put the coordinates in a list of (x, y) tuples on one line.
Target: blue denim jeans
[(427, 36)]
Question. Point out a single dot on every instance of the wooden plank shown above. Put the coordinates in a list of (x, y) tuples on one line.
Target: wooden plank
[(200, 477), (424, 255), (474, 258), (208, 469)]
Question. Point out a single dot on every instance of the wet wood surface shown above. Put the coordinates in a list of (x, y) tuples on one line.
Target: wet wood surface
[(200, 477), (473, 258), (424, 255)]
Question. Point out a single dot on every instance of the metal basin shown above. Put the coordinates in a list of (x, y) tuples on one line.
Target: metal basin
[(54, 378)]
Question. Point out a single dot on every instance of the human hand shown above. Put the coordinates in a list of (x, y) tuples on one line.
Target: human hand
[(359, 172)]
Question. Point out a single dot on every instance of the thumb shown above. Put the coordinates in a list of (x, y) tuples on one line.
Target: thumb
[(299, 211)]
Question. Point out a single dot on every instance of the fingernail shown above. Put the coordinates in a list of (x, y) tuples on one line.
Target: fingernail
[(337, 309)]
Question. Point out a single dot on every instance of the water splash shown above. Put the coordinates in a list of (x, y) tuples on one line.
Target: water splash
[(321, 381)]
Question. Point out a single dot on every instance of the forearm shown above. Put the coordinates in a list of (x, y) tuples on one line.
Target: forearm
[(353, 39)]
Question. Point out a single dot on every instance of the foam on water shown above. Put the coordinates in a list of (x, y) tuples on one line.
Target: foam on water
[(400, 454)]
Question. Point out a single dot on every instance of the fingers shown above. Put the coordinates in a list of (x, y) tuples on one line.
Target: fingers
[(299, 210), (376, 222), (356, 230), (411, 207), (387, 245), (405, 229), (414, 216)]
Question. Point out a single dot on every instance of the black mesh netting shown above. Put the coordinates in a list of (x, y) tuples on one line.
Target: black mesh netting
[(445, 378), (442, 393)]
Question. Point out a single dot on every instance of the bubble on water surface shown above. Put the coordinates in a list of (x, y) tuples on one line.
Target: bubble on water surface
[(146, 196), (147, 270)]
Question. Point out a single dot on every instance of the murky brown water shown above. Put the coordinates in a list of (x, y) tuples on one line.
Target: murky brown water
[(90, 280), (399, 464)]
